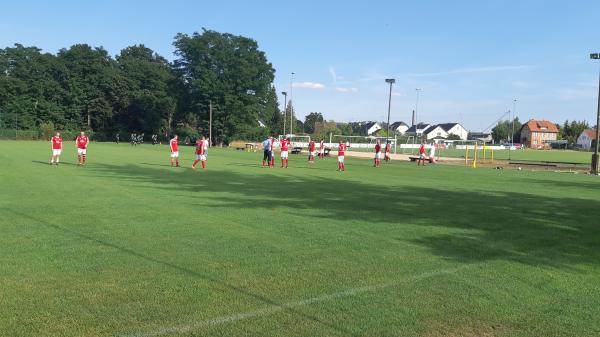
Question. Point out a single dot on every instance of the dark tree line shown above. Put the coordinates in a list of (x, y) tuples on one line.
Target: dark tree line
[(84, 88)]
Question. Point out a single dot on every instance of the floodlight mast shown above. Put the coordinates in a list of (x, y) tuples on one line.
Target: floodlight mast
[(391, 81), (284, 110), (595, 159)]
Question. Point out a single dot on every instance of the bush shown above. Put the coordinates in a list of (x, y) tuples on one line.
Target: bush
[(46, 130)]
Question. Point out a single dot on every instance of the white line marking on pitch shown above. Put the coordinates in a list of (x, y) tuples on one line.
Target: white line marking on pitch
[(278, 308)]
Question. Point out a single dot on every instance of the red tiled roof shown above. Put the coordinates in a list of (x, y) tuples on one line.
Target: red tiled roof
[(541, 126), (591, 133)]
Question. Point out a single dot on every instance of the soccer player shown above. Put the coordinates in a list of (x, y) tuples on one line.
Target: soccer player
[(421, 154), (322, 149), (311, 151), (388, 150), (285, 146), (341, 154), (268, 152), (56, 149), (377, 160), (117, 138), (82, 142), (432, 153), (201, 145), (174, 151)]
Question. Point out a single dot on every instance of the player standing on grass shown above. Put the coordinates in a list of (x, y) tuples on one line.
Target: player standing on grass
[(56, 149), (322, 149), (341, 154), (311, 151), (267, 152), (421, 154), (432, 153), (200, 153), (285, 144), (174, 151), (377, 160), (388, 150), (82, 142)]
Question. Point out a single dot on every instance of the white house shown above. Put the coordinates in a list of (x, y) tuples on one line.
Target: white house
[(455, 129), (435, 132), (585, 138), (399, 128), (417, 130), (372, 127)]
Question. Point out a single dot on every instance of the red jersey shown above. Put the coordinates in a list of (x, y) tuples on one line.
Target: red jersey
[(284, 144), (311, 146), (82, 142), (377, 148), (56, 143), (422, 149), (322, 145), (342, 149), (174, 145), (200, 147), (388, 148)]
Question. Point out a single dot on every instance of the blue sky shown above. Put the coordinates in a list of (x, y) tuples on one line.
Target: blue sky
[(470, 58)]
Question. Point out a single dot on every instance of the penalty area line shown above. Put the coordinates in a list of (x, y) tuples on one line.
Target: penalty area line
[(272, 309)]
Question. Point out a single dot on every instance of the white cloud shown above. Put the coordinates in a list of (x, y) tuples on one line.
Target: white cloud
[(339, 89), (309, 85)]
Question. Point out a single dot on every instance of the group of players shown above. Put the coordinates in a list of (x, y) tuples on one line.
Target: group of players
[(82, 142), (269, 154), (202, 145)]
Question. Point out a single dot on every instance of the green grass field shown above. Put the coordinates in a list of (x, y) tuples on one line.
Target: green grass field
[(128, 246)]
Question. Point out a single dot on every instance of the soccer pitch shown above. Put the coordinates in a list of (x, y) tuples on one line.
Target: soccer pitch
[(128, 246)]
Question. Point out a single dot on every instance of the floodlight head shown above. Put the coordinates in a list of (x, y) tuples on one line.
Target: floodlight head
[(390, 80), (284, 93), (595, 56)]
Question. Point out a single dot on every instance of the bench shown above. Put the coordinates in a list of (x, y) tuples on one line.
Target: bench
[(414, 159), (297, 150), (240, 148), (326, 152)]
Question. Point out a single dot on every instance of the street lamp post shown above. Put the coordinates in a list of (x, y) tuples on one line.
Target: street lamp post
[(418, 90), (595, 159), (292, 105), (284, 110), (391, 81)]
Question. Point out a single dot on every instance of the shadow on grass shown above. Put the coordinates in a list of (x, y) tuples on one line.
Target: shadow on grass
[(527, 228)]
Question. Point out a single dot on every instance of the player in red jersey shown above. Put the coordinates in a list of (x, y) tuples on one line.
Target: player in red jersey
[(341, 154), (82, 142), (421, 154), (377, 160), (285, 146), (201, 149), (322, 149), (388, 151), (311, 151), (174, 144), (56, 149)]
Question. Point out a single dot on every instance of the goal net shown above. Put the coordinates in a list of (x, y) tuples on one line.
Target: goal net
[(296, 140), (362, 143)]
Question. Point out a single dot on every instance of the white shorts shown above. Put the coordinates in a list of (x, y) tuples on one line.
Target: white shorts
[(56, 152), (322, 151), (201, 157), (284, 154), (313, 153), (377, 155), (340, 159), (175, 154), (81, 152), (423, 156)]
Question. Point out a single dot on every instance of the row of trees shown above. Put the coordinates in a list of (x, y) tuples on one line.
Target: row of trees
[(83, 87)]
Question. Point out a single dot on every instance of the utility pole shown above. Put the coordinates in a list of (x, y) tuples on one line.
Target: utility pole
[(210, 109), (595, 158), (284, 110), (391, 81), (292, 105)]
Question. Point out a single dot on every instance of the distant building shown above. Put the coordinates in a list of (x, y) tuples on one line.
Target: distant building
[(371, 128), (435, 132), (417, 130), (399, 128), (455, 129), (586, 138), (536, 134), (481, 137)]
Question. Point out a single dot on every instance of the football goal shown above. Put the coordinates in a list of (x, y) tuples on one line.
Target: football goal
[(363, 143)]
